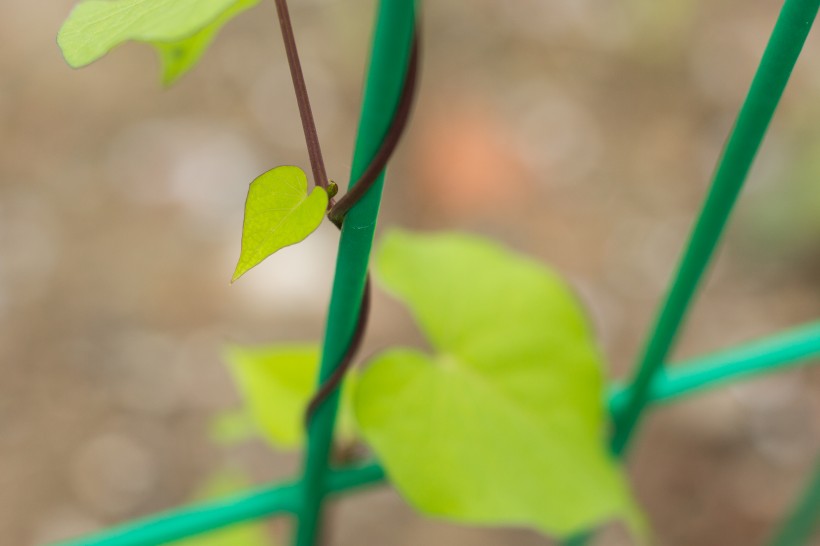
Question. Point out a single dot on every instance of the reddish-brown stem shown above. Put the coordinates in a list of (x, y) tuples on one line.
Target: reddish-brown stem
[(389, 142), (317, 164)]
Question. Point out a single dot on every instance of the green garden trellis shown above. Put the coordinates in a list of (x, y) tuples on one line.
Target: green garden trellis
[(304, 498)]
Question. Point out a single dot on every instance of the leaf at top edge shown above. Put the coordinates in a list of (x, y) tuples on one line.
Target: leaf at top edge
[(178, 57), (505, 423), (277, 382), (95, 27), (279, 212)]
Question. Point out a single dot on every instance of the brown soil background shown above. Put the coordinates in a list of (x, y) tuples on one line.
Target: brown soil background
[(581, 132)]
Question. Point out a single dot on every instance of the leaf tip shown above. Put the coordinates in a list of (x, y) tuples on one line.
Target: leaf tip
[(66, 53), (168, 80), (242, 267)]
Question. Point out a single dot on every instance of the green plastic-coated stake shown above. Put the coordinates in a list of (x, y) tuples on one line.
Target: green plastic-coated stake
[(797, 530), (767, 87), (388, 65)]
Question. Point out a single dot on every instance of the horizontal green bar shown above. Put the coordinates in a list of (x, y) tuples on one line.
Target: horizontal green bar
[(693, 376), (197, 519), (193, 520), (777, 352)]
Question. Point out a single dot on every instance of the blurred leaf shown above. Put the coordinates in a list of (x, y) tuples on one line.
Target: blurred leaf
[(277, 383), (780, 222), (181, 29), (660, 29), (232, 427), (505, 423), (278, 212), (244, 534), (179, 56)]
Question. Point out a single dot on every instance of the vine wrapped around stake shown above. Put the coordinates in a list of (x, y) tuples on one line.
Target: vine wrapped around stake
[(387, 77), (359, 189), (338, 212)]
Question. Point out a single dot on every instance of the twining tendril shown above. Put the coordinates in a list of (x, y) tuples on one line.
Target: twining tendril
[(337, 214)]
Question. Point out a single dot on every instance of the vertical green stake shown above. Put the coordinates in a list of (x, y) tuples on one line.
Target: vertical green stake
[(388, 64), (787, 39), (778, 60), (798, 528)]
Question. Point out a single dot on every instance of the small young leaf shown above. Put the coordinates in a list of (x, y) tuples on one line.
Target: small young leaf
[(181, 29), (247, 534), (278, 212), (505, 424), (277, 383)]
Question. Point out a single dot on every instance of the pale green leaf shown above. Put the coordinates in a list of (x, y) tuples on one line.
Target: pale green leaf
[(504, 424), (179, 56), (276, 383), (232, 427), (278, 212), (95, 27), (220, 486)]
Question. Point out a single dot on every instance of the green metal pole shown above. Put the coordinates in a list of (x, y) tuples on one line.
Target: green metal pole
[(767, 87), (797, 530), (388, 64)]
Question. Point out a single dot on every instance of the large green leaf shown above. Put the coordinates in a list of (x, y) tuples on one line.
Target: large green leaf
[(180, 29), (278, 212), (277, 383), (244, 534), (505, 423)]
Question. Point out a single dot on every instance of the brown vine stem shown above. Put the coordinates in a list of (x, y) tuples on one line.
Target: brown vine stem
[(317, 164), (389, 142)]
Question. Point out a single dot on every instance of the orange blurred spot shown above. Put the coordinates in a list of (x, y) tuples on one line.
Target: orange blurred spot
[(468, 160)]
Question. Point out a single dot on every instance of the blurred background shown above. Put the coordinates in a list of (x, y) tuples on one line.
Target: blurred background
[(581, 132)]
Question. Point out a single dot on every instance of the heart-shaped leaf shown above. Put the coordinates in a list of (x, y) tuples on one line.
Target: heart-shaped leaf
[(278, 212), (180, 29), (505, 424), (277, 383)]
